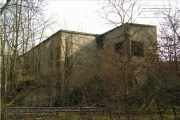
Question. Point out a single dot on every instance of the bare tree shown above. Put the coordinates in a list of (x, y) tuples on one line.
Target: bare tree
[(161, 88), (118, 12), (170, 39), (169, 43), (22, 27), (3, 8)]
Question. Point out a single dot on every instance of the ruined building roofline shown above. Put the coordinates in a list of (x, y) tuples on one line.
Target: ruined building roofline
[(84, 33), (76, 32), (143, 25), (66, 31), (132, 24), (59, 32)]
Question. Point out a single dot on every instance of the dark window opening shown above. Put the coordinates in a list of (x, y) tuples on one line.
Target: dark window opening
[(99, 41), (119, 48), (178, 75), (137, 48)]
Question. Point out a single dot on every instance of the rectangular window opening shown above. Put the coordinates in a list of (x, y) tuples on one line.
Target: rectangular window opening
[(119, 48), (137, 48)]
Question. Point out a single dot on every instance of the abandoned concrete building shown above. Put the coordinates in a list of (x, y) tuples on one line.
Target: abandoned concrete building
[(68, 59)]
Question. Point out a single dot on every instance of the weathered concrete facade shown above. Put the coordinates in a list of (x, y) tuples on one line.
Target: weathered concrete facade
[(146, 34), (69, 59), (135, 44), (62, 50)]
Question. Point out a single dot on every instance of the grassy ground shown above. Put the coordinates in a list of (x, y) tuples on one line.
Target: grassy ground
[(70, 116)]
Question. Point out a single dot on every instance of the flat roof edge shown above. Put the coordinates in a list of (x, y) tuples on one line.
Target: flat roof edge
[(76, 32), (143, 25), (132, 24)]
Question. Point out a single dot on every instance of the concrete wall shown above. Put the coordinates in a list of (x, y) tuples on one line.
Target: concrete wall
[(134, 65), (132, 32), (77, 56), (64, 61), (41, 60), (68, 59)]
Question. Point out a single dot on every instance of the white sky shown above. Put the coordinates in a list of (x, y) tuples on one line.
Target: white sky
[(82, 15), (77, 15)]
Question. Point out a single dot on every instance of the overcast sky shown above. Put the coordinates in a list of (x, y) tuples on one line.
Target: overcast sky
[(83, 16)]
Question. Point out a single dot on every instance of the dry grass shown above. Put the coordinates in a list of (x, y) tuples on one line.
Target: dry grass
[(72, 116)]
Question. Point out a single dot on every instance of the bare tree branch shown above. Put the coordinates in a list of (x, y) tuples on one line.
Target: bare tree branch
[(4, 7)]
